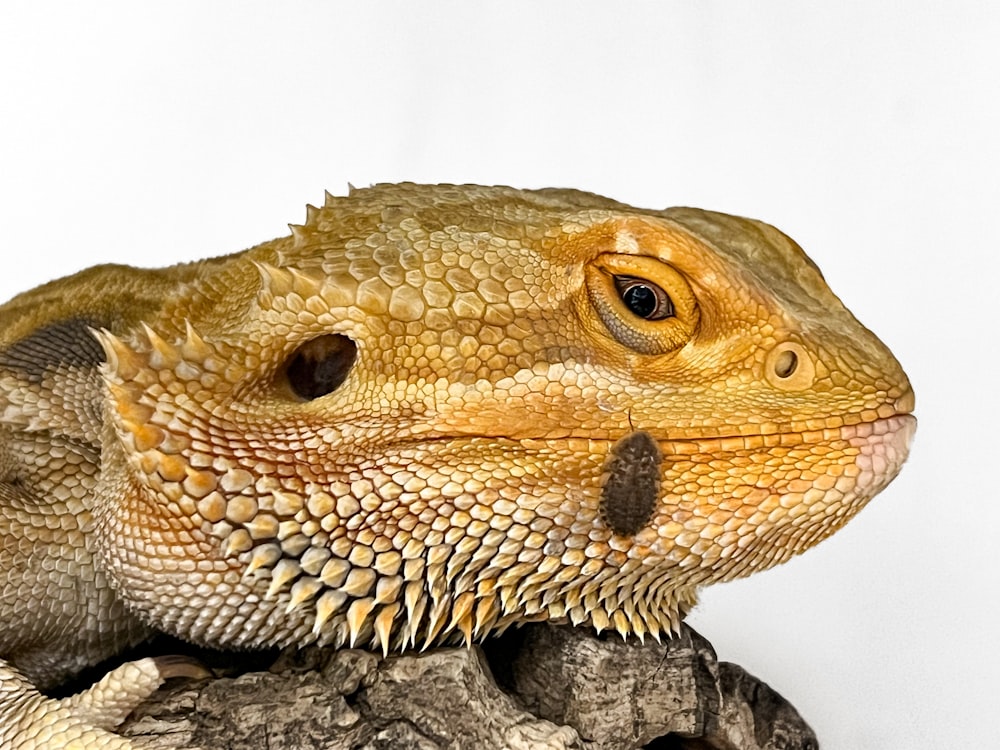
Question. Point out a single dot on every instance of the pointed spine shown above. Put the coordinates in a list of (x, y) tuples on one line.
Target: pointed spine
[(162, 355), (123, 362), (328, 605), (382, 626), (300, 234)]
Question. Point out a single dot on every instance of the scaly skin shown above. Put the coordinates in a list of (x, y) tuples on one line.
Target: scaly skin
[(523, 428)]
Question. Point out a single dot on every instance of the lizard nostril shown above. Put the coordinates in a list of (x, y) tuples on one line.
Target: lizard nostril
[(320, 366), (789, 367), (785, 363)]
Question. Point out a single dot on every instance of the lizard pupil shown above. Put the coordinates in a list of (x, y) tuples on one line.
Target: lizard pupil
[(643, 298), (320, 366)]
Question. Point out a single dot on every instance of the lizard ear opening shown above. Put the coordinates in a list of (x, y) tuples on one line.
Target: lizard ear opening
[(320, 366)]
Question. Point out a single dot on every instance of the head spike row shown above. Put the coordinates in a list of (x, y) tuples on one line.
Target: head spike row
[(300, 234), (283, 282), (143, 366), (320, 294), (123, 362), (126, 376), (162, 355), (194, 348), (312, 215)]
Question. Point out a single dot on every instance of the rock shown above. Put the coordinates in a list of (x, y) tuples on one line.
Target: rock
[(556, 688)]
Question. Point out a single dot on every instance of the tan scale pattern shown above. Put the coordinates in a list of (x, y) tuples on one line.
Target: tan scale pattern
[(451, 486)]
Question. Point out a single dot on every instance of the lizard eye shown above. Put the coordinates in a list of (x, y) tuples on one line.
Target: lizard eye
[(645, 304), (644, 298), (320, 366)]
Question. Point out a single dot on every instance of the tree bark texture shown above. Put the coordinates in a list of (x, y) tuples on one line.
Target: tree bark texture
[(540, 687)]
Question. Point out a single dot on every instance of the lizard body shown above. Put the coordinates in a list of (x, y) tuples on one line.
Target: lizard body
[(428, 414)]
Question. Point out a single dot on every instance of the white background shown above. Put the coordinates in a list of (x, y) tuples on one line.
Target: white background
[(150, 134)]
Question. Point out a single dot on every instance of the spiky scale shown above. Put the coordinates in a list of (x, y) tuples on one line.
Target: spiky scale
[(282, 574), (387, 589), (162, 355), (383, 626), (437, 618), (335, 572), (300, 234), (329, 604), (303, 591), (359, 582), (357, 618), (263, 557), (415, 602)]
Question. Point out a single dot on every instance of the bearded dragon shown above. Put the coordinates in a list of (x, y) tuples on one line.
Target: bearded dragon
[(429, 413)]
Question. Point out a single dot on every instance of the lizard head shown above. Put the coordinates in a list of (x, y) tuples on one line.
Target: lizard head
[(437, 411)]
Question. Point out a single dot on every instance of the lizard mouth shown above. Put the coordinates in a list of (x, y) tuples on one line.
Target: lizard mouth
[(537, 429), (889, 417), (903, 424), (886, 439), (784, 436)]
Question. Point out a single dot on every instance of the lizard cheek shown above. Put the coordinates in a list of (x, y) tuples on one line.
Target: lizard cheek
[(632, 488), (789, 367)]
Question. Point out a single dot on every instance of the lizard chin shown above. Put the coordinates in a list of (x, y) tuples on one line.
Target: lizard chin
[(811, 508)]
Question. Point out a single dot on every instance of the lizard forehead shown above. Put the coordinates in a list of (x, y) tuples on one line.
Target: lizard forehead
[(391, 237)]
